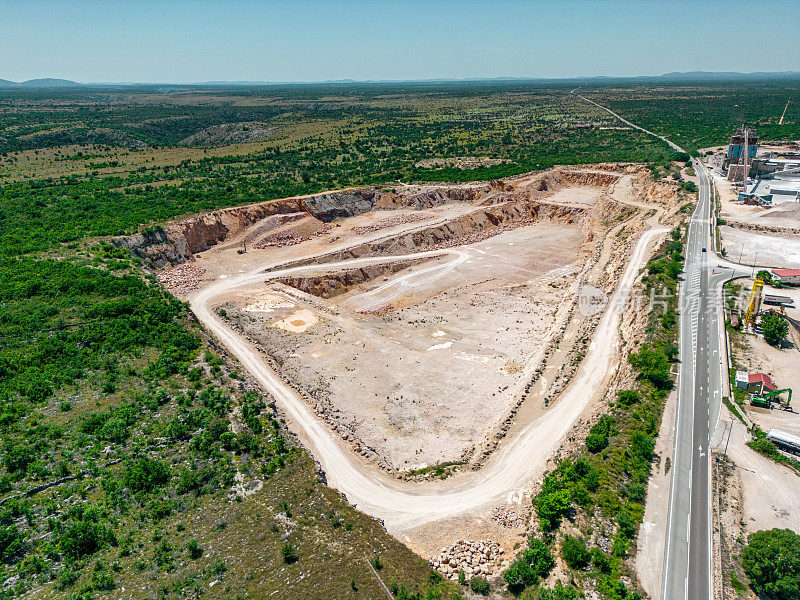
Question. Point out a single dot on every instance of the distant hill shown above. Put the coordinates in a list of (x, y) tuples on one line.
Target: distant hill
[(677, 76), (48, 82)]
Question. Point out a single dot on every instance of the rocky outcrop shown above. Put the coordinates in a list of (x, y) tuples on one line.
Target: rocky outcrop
[(229, 133), (175, 243), (338, 205), (328, 285), (468, 228)]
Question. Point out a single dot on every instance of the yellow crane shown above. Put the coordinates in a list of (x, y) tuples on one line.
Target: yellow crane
[(754, 305)]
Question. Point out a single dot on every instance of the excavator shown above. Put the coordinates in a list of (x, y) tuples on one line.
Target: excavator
[(765, 400)]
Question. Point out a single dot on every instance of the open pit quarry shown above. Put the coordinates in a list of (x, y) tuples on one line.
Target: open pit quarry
[(433, 346)]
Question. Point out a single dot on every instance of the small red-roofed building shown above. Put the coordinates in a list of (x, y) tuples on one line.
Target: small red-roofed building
[(789, 276)]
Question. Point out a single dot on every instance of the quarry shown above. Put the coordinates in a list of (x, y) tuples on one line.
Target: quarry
[(428, 339)]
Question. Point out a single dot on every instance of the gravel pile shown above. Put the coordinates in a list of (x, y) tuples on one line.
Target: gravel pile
[(474, 558), (390, 222), (289, 239), (182, 279), (508, 516)]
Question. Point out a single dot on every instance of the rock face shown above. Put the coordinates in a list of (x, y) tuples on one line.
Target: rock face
[(178, 242), (469, 228), (333, 284), (482, 558), (327, 207), (506, 201), (229, 133)]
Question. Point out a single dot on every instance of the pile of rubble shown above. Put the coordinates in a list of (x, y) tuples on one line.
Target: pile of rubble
[(474, 558), (281, 241), (509, 516), (390, 222), (182, 279), (290, 239)]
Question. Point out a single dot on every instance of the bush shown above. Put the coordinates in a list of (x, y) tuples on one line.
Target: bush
[(145, 474), (479, 585), (628, 397), (771, 560), (11, 542), (596, 442), (288, 554), (528, 568), (597, 439), (575, 552), (195, 551), (83, 539)]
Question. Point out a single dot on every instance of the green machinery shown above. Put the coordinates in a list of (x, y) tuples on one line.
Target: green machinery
[(766, 400)]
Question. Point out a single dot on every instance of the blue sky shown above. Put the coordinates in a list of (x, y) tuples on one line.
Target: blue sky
[(199, 40)]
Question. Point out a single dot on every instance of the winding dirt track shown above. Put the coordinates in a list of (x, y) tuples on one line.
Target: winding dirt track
[(405, 505)]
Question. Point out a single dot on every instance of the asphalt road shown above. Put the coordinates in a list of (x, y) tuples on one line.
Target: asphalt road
[(688, 556)]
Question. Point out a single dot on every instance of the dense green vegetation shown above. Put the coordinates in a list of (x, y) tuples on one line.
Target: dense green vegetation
[(364, 135), (705, 114), (771, 559), (119, 433)]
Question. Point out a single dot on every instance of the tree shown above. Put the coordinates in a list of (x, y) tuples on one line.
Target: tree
[(551, 507), (771, 560), (764, 276), (774, 328), (652, 364)]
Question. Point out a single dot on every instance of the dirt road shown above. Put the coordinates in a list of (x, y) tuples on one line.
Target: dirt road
[(404, 505)]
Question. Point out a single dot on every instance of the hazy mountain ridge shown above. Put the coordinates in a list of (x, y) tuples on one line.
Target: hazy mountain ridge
[(47, 82)]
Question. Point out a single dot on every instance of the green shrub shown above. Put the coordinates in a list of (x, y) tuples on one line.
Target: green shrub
[(528, 568), (11, 543), (771, 559), (195, 551), (83, 538), (628, 397), (575, 552), (479, 585), (596, 442), (145, 474), (288, 554)]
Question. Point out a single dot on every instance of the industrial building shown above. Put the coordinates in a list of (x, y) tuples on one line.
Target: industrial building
[(787, 276), (764, 180)]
